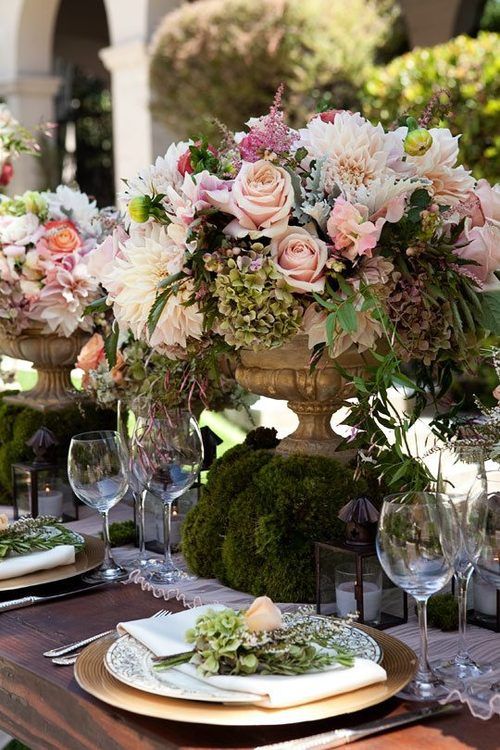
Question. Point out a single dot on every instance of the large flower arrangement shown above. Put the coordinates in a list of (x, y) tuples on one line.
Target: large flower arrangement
[(343, 230), (14, 141), (44, 279)]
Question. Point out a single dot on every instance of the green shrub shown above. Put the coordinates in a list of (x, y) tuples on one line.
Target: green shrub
[(258, 518), (18, 423), (470, 70), (226, 58)]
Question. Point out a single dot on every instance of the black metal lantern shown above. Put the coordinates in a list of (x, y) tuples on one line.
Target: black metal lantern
[(37, 489), (349, 578)]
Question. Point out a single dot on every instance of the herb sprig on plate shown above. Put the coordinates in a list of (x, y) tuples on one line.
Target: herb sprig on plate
[(32, 535), (224, 645)]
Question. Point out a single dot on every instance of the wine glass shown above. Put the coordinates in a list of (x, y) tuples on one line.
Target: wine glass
[(167, 456), (137, 489), (98, 475), (413, 548), (461, 475)]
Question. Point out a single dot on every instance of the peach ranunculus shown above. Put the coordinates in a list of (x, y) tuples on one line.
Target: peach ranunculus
[(483, 247), (352, 232), (91, 355), (263, 614), (61, 237), (301, 258), (261, 200)]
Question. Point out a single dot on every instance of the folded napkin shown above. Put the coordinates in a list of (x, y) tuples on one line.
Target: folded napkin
[(165, 637), (22, 565)]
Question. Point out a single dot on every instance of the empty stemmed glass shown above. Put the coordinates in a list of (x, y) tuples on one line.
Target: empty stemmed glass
[(461, 476), (412, 546), (98, 475), (167, 455)]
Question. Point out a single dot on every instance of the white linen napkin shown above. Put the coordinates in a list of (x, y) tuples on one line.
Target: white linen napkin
[(22, 565), (165, 637)]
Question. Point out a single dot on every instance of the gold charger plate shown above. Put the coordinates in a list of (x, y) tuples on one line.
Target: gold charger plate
[(90, 557), (91, 674)]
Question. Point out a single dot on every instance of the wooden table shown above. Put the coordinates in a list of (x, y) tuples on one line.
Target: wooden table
[(42, 705)]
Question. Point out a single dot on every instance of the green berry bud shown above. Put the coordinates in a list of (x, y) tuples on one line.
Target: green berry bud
[(417, 142), (138, 208)]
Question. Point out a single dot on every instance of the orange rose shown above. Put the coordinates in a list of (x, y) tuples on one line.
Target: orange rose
[(91, 355), (61, 237)]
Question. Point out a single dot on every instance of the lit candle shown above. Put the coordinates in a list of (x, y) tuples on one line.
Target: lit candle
[(346, 602), (50, 502)]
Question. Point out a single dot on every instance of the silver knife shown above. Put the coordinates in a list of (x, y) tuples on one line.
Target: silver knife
[(30, 599), (339, 737)]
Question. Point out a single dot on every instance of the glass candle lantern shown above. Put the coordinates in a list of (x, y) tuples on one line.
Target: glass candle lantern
[(37, 489), (349, 580), (485, 611)]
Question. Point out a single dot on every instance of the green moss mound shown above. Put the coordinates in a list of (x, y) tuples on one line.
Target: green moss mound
[(258, 518), (18, 423)]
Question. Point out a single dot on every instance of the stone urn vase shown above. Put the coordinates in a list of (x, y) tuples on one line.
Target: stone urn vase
[(284, 373), (53, 358)]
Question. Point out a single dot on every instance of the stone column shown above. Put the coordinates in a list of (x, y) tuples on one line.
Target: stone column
[(137, 138), (30, 98)]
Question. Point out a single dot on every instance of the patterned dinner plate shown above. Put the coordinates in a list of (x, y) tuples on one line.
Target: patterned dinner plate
[(91, 674), (132, 663)]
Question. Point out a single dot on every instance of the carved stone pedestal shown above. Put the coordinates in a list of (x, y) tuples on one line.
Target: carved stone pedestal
[(284, 373)]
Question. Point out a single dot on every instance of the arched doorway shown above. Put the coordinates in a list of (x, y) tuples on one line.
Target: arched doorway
[(83, 102)]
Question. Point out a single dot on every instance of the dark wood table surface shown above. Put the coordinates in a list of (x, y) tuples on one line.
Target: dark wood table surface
[(43, 706)]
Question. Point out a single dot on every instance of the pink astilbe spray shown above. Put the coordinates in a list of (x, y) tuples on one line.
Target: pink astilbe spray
[(270, 134)]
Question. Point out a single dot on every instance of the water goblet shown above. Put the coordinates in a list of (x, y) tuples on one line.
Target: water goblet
[(167, 455), (98, 475), (413, 550), (461, 476)]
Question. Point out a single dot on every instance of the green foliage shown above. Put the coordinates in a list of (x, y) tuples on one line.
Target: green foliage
[(18, 423), (442, 612), (259, 515), (226, 58), (470, 70), (122, 532)]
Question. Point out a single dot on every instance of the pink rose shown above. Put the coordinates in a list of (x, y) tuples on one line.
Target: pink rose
[(261, 200), (489, 204), (484, 248), (301, 258), (351, 231)]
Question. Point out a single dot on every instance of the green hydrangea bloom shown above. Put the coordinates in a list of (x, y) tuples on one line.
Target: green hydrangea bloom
[(257, 309)]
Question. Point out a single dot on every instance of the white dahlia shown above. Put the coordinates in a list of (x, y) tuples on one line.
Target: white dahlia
[(353, 152), (450, 184), (160, 176), (147, 259), (66, 203)]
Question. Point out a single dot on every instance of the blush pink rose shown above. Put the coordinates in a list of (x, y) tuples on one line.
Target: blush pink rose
[(484, 248), (261, 200), (301, 258), (352, 232)]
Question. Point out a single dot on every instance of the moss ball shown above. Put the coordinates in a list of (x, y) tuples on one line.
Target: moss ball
[(258, 518)]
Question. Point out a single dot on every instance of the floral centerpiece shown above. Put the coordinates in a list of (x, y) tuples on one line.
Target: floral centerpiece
[(14, 141), (373, 243), (45, 285)]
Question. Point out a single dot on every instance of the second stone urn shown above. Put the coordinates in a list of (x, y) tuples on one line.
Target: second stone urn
[(53, 357), (285, 373)]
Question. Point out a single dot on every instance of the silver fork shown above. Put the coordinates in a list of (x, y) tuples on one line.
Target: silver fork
[(62, 650)]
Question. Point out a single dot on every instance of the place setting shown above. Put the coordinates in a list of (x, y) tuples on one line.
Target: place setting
[(249, 375)]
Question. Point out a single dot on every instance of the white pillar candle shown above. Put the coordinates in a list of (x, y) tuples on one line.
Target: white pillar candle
[(485, 598), (50, 503), (346, 602)]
